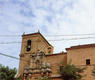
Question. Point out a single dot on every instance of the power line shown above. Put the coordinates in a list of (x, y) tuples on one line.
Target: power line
[(71, 35), (31, 62), (9, 42), (16, 58), (12, 57), (62, 39), (10, 35), (9, 56), (50, 35)]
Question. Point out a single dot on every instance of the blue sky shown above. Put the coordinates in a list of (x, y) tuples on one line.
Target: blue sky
[(52, 17)]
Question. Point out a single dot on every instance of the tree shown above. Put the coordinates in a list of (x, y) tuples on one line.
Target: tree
[(71, 72), (7, 74)]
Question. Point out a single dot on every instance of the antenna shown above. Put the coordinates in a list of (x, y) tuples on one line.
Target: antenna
[(24, 33), (38, 31)]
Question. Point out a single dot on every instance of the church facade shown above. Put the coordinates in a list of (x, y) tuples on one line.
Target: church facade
[(37, 58)]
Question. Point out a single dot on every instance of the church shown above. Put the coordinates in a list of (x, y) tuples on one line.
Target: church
[(37, 58)]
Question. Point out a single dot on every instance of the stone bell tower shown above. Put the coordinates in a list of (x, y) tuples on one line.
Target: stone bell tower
[(34, 47)]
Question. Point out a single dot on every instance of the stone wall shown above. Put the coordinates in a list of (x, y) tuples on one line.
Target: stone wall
[(38, 42), (78, 56), (55, 60)]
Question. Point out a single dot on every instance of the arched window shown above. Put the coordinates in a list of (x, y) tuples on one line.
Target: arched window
[(49, 50), (28, 48)]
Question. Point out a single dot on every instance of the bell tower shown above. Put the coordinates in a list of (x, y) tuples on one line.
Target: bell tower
[(31, 44)]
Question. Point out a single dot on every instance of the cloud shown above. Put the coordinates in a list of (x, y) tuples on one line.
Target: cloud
[(50, 16)]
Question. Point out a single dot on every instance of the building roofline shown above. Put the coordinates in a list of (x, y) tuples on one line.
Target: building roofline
[(30, 34), (81, 46), (62, 53), (40, 35)]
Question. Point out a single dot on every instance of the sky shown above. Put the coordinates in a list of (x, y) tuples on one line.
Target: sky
[(51, 17)]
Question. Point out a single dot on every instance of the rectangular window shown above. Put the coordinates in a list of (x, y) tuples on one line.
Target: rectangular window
[(87, 61), (61, 68)]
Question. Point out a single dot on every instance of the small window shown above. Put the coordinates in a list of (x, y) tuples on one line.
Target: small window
[(49, 51), (28, 47), (61, 68), (87, 61)]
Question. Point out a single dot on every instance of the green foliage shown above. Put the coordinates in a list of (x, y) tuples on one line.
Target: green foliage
[(7, 74), (71, 72)]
